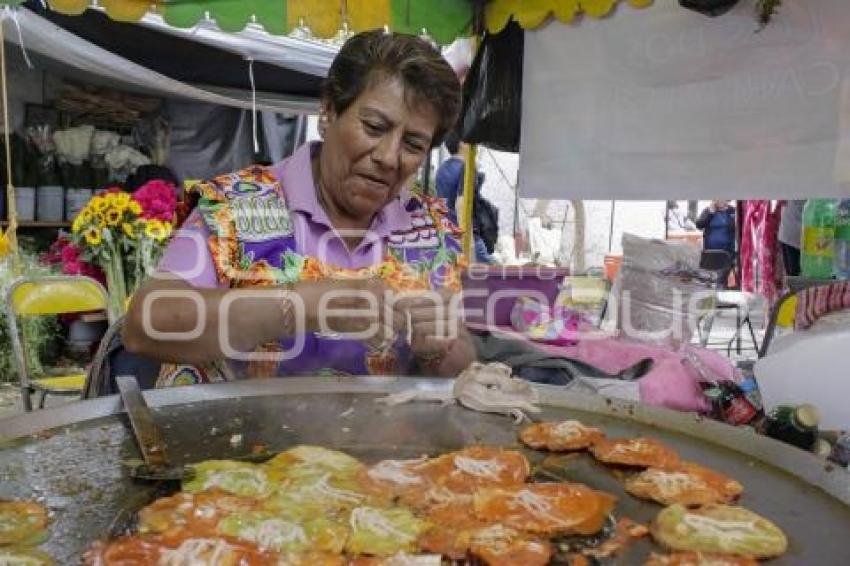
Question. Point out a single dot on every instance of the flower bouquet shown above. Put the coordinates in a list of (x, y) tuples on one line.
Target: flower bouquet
[(125, 235)]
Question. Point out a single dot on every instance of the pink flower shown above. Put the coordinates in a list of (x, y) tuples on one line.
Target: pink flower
[(69, 253), (157, 199)]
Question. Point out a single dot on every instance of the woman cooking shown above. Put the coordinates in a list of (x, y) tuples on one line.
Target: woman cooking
[(283, 267)]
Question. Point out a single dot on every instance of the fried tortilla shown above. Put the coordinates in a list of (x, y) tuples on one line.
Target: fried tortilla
[(686, 483), (562, 436), (698, 559), (545, 508), (501, 546), (638, 452), (721, 529), (286, 534), (199, 513), (22, 522), (177, 549), (476, 467), (384, 532), (238, 478)]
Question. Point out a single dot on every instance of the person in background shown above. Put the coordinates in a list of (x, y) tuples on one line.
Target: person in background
[(717, 223), (678, 221), (449, 181), (790, 228)]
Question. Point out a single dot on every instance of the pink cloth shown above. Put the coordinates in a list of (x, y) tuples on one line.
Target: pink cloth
[(669, 383), (815, 302), (759, 249)]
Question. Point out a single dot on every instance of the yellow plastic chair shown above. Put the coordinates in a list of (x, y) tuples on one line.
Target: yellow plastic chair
[(49, 295), (782, 318)]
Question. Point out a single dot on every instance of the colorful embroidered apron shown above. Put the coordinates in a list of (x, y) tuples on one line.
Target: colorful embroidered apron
[(252, 243)]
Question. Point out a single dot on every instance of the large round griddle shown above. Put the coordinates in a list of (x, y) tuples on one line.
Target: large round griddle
[(71, 456)]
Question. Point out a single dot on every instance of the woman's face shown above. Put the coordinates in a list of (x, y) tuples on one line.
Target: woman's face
[(373, 148)]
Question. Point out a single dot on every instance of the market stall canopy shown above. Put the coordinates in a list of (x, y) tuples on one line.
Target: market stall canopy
[(667, 103), (443, 20), (207, 65)]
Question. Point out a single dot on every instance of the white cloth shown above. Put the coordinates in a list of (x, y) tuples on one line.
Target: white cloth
[(74, 144), (42, 37), (791, 223), (666, 103), (678, 221)]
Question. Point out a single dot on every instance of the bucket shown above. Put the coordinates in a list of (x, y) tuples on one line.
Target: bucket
[(51, 203), (612, 266), (25, 203), (75, 201)]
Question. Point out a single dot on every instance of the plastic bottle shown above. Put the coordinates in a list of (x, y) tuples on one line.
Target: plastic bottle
[(818, 238), (841, 261)]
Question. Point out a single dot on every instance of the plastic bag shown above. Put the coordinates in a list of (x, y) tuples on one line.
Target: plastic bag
[(662, 292), (492, 92), (711, 8)]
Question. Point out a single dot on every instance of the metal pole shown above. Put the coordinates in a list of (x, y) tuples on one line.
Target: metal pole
[(611, 228), (469, 175)]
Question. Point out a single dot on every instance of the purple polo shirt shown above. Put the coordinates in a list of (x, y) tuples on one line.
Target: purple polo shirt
[(188, 255)]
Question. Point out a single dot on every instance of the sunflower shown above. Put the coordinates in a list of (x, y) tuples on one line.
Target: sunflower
[(157, 230), (99, 204), (99, 220), (93, 236), (113, 217), (122, 199), (135, 207), (129, 230)]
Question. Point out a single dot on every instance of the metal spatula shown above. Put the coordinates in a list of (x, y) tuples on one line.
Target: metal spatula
[(148, 436)]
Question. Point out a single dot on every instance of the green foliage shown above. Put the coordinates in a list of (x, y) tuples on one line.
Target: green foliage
[(41, 334)]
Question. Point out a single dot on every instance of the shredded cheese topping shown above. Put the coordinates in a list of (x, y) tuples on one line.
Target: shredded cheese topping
[(488, 469), (728, 532), (402, 559), (441, 495), (198, 552), (317, 456), (254, 478), (496, 538), (631, 447), (539, 505), (274, 534), (322, 489), (569, 430), (671, 484), (395, 471), (372, 520), (205, 512)]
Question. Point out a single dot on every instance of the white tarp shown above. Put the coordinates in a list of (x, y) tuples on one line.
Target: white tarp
[(311, 57), (41, 36), (666, 103)]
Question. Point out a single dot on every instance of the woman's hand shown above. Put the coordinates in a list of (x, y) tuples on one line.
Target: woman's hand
[(432, 322), (355, 307)]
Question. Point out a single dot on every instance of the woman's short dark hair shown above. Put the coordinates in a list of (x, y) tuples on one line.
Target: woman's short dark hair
[(376, 54)]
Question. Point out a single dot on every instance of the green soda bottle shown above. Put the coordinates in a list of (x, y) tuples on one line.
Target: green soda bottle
[(818, 238)]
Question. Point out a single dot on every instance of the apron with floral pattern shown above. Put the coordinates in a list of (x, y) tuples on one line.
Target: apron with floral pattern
[(252, 243)]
